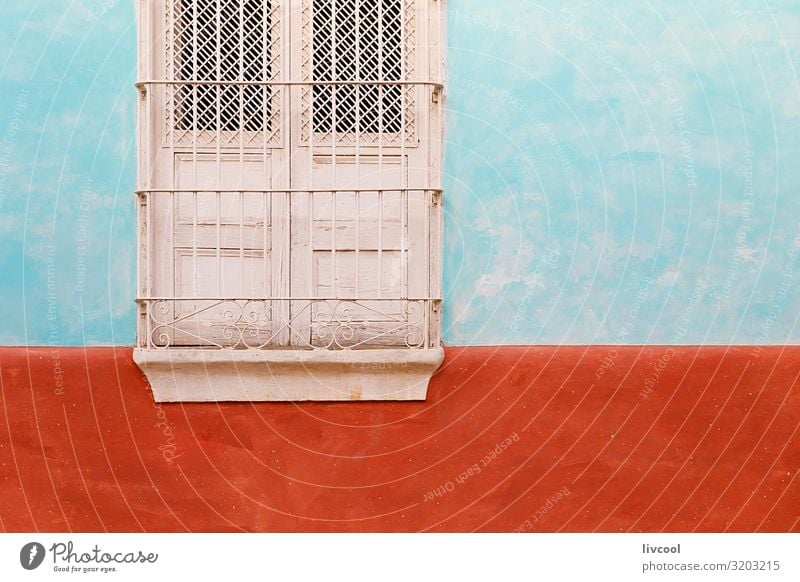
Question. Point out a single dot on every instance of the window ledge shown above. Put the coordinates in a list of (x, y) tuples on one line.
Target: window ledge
[(196, 375)]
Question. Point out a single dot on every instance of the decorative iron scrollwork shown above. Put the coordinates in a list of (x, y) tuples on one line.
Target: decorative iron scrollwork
[(319, 324)]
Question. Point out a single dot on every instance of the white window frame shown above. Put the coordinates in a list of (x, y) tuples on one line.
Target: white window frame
[(287, 332)]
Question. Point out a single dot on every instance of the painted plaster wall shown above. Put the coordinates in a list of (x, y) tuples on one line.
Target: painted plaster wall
[(616, 172), (67, 172), (623, 172)]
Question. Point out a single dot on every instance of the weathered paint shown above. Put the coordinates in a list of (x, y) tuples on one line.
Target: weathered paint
[(620, 173), (529, 439), (67, 222), (623, 172)]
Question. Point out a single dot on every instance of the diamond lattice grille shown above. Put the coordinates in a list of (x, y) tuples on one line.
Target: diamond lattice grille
[(357, 41), (218, 41)]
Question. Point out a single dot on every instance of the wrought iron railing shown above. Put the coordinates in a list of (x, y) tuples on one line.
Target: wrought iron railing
[(211, 263)]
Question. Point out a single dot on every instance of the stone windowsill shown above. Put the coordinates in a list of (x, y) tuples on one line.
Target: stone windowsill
[(198, 375)]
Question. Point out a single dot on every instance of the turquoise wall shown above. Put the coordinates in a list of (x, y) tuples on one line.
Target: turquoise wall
[(67, 172), (623, 172), (616, 172)]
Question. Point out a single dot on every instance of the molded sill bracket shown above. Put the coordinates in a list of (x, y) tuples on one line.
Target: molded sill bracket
[(197, 375)]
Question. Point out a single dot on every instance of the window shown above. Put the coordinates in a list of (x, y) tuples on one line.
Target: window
[(289, 198)]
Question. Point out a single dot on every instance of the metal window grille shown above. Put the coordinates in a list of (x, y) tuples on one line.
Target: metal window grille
[(225, 41), (357, 41), (367, 49), (221, 57), (237, 203)]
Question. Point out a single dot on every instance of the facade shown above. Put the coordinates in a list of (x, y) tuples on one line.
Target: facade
[(673, 169), (616, 181)]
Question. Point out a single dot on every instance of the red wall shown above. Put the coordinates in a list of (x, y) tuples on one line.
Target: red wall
[(711, 446)]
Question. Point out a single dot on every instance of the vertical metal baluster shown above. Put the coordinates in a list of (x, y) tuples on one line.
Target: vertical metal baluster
[(171, 220), (312, 129), (266, 93), (143, 126), (147, 181), (170, 196), (218, 199), (195, 131), (243, 292), (218, 124), (380, 244), (145, 178), (381, 135), (404, 193), (404, 218), (145, 173), (427, 305), (267, 202), (439, 159), (241, 137), (149, 238), (357, 194), (195, 275), (312, 291), (357, 130), (334, 136)]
